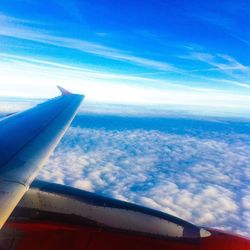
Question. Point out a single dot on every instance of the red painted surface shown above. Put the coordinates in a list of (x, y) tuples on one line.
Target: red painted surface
[(54, 236), (220, 240)]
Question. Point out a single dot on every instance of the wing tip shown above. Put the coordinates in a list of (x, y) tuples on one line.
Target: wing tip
[(63, 91)]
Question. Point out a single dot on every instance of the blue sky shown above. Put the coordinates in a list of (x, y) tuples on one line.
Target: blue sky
[(193, 53)]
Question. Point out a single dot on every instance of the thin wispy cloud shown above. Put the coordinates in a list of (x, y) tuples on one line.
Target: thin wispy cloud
[(13, 27), (106, 87), (223, 64), (18, 28), (99, 74)]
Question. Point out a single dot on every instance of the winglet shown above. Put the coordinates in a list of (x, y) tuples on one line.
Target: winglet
[(64, 91)]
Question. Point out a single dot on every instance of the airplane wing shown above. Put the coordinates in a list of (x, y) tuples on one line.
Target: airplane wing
[(26, 141), (51, 216)]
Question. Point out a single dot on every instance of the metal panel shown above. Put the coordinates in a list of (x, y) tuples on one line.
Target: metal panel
[(26, 141)]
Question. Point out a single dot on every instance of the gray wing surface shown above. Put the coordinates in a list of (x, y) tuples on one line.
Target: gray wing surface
[(26, 141)]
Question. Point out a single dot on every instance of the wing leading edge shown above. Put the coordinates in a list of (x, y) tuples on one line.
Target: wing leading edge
[(26, 141)]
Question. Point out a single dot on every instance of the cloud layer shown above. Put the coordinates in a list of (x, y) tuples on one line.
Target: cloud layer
[(202, 178)]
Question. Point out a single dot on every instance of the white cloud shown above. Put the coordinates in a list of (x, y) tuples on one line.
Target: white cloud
[(83, 184), (199, 178)]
